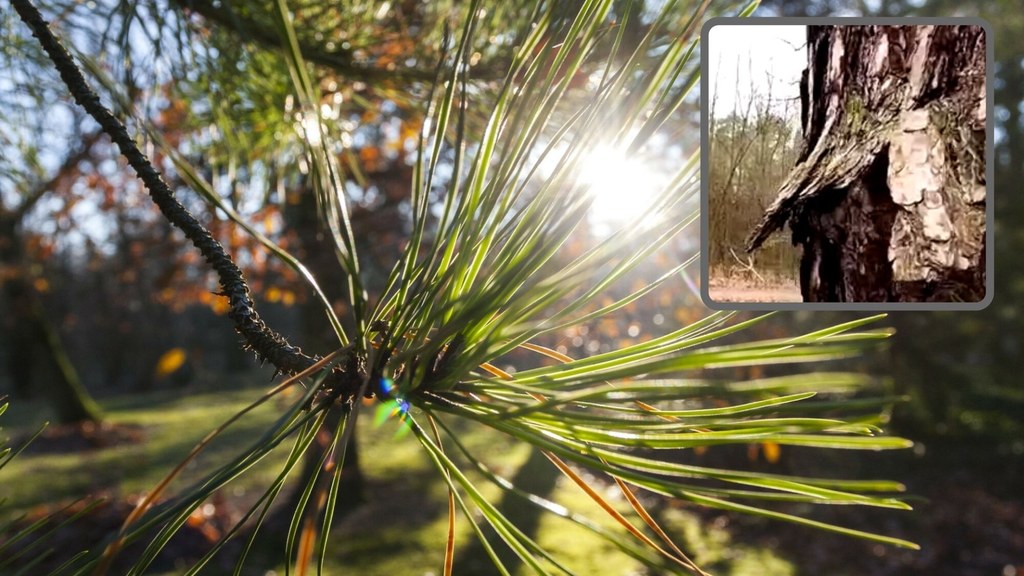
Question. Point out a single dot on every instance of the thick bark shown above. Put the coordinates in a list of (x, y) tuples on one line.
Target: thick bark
[(888, 195)]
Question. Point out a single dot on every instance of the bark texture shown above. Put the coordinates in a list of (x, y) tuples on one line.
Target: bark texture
[(887, 199)]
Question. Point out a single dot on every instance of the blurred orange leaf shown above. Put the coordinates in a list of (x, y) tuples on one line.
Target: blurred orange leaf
[(199, 520), (220, 306), (273, 294), (271, 223), (370, 157), (287, 297), (170, 361)]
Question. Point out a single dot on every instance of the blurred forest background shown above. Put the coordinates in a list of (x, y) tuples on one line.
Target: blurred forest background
[(109, 319), (751, 151)]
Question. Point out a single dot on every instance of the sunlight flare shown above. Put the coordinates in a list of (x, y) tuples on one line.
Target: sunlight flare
[(309, 127), (622, 187)]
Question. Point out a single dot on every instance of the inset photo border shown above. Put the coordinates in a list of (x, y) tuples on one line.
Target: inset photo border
[(847, 164)]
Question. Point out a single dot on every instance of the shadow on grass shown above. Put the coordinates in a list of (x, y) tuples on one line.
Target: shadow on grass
[(536, 476), (386, 514)]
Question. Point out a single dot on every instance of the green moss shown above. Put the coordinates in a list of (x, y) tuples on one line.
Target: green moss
[(855, 114), (711, 545), (758, 561), (170, 429)]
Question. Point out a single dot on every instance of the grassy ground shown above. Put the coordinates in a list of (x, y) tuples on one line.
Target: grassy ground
[(399, 529), (969, 515)]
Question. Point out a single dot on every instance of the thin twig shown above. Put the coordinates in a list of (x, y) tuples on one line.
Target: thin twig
[(748, 265)]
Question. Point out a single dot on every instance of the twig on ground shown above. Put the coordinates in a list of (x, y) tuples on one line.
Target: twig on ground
[(748, 265)]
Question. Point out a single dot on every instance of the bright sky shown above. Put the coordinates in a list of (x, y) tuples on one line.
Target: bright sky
[(750, 59)]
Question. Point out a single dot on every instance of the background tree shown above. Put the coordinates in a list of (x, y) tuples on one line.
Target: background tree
[(749, 154), (37, 362)]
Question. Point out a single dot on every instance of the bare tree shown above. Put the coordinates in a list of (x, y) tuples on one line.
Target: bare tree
[(750, 149), (887, 198)]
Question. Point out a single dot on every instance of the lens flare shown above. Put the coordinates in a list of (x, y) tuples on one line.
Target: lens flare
[(622, 187)]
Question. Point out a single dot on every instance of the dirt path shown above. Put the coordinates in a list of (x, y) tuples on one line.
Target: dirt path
[(752, 294)]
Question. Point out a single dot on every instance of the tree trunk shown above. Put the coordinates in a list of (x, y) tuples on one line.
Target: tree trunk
[(67, 396), (536, 476), (38, 360), (317, 254), (887, 199)]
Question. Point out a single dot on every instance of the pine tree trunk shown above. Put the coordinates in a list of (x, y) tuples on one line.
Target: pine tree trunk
[(887, 199), (68, 397), (38, 361), (318, 255)]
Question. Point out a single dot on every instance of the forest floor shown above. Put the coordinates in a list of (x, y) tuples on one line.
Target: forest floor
[(968, 518), (755, 294), (729, 285)]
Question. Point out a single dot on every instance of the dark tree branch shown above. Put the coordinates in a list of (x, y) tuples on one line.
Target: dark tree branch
[(268, 345), (68, 167)]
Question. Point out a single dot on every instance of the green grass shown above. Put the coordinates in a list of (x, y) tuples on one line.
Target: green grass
[(172, 422), (401, 527)]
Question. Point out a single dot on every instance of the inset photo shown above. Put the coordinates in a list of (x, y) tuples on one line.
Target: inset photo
[(847, 163)]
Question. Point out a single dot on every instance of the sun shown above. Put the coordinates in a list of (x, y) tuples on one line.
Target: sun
[(622, 187)]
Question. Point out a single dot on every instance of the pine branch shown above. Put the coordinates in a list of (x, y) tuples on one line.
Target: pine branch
[(268, 345), (339, 61)]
